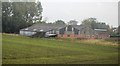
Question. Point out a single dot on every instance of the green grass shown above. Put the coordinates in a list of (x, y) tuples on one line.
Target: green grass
[(25, 50)]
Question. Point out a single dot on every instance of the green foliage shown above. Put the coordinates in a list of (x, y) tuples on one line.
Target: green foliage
[(94, 24), (110, 30), (59, 22), (25, 50), (72, 22), (17, 15), (90, 22)]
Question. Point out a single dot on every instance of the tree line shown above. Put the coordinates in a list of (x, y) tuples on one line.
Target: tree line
[(18, 15)]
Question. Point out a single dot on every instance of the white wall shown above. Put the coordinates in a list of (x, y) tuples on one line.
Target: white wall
[(27, 33)]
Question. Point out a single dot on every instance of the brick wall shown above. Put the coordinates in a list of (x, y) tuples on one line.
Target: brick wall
[(102, 36)]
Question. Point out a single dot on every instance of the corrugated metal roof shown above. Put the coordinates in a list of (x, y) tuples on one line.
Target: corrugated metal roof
[(40, 27), (43, 27), (79, 27)]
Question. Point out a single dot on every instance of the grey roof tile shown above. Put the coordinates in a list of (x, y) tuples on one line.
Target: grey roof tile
[(44, 27), (79, 27)]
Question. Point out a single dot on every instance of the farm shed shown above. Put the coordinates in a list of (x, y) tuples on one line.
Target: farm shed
[(42, 30), (64, 31), (77, 31), (101, 33)]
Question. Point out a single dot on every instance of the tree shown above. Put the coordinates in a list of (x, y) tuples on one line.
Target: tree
[(38, 16), (44, 20), (72, 22), (110, 30), (18, 15), (59, 22), (90, 22), (5, 16)]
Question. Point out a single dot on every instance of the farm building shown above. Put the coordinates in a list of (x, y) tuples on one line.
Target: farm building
[(101, 33), (77, 31), (42, 30), (65, 31), (101, 30)]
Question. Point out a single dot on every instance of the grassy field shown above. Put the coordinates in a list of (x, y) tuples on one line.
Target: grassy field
[(25, 50)]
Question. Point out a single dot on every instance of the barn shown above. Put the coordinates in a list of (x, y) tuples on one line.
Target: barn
[(42, 30), (77, 31), (101, 33), (63, 31)]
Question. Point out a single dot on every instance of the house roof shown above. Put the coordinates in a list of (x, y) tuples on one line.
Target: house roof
[(79, 27), (41, 27)]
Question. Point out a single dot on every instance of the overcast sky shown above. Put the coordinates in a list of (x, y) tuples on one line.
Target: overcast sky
[(104, 10)]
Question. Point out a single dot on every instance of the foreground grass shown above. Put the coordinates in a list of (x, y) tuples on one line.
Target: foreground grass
[(25, 50)]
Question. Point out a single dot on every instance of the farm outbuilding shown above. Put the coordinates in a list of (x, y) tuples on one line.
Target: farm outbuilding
[(42, 30), (64, 31), (77, 31), (101, 33)]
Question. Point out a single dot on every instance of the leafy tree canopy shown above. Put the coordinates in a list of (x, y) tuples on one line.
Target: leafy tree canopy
[(18, 15), (91, 22), (72, 22), (59, 22)]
